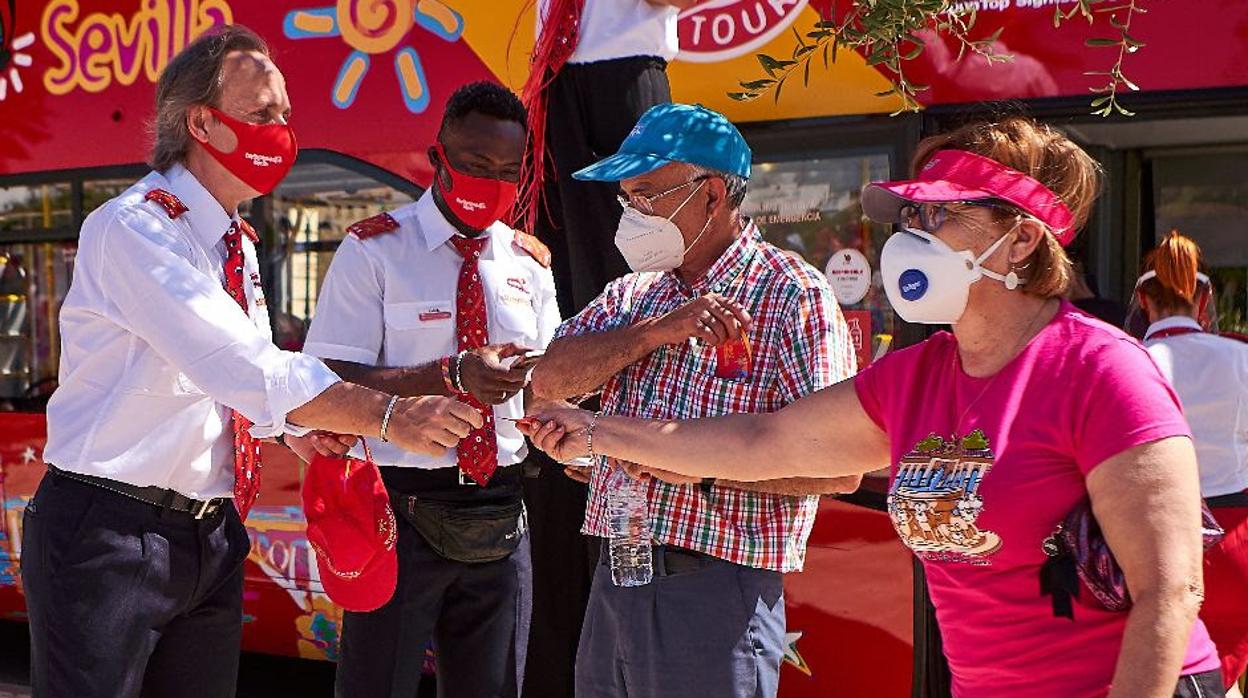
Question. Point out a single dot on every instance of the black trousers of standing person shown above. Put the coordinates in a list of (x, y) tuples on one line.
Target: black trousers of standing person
[(476, 613), (129, 599), (592, 107)]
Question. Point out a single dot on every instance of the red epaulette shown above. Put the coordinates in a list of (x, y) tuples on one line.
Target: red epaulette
[(534, 247), (172, 204), (371, 227)]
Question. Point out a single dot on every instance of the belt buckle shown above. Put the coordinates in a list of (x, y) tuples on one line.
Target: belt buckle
[(202, 509), (464, 479)]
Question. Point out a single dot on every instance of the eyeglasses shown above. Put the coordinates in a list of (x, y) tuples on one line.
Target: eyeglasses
[(931, 216), (645, 204)]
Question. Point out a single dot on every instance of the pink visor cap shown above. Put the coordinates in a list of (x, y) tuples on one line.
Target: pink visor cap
[(956, 175)]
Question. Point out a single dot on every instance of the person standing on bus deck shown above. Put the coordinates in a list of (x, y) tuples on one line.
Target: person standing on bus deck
[(440, 298), (656, 343), (1210, 374), (133, 545)]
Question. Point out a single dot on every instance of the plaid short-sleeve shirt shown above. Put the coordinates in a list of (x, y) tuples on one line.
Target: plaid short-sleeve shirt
[(800, 344)]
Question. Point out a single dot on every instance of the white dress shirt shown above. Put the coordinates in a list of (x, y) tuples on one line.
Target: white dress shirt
[(389, 300), (154, 348), (1210, 374), (612, 29)]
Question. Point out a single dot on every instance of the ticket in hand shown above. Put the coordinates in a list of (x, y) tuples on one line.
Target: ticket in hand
[(524, 422), (732, 359)]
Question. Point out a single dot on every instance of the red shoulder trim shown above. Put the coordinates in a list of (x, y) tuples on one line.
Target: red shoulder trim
[(371, 227), (534, 247), (172, 204)]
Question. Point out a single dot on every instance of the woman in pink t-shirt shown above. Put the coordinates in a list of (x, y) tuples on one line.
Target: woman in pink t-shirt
[(994, 432)]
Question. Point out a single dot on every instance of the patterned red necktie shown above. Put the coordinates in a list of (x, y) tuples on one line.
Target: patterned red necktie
[(246, 448), (477, 453)]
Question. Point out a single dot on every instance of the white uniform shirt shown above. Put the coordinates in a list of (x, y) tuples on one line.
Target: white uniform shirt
[(612, 29), (154, 348), (1210, 374), (389, 300)]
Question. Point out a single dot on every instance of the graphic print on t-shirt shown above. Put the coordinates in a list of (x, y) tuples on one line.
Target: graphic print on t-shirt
[(934, 501)]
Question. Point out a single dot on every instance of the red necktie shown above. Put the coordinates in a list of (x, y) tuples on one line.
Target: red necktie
[(246, 448), (477, 454)]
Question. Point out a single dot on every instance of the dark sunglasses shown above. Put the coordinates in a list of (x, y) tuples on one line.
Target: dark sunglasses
[(931, 216)]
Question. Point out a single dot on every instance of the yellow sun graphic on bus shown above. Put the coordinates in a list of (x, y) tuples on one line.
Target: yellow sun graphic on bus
[(374, 27), (11, 57)]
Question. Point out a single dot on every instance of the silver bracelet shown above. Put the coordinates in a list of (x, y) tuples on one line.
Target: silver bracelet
[(385, 419), (589, 436), (457, 380)]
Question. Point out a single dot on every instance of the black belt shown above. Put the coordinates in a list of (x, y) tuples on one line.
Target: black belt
[(668, 559), (1234, 499), (156, 496), (450, 481)]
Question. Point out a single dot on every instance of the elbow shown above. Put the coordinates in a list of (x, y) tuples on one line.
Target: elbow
[(1180, 596)]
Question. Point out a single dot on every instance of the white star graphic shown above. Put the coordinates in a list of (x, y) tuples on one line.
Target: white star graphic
[(792, 655), (29, 455)]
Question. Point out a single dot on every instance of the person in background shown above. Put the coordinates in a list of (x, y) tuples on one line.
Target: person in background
[(133, 545), (1085, 296), (1210, 374), (598, 65), (990, 446)]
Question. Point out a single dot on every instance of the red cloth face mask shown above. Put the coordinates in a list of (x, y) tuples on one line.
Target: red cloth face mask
[(475, 201), (263, 156)]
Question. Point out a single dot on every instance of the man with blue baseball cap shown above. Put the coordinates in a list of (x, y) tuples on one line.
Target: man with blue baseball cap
[(713, 320)]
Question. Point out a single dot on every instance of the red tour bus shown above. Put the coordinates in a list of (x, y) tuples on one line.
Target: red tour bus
[(367, 84)]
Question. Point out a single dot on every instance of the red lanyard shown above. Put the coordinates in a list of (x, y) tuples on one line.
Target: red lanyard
[(1171, 332)]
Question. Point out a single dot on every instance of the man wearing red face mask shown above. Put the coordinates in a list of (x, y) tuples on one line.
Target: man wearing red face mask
[(440, 298), (134, 542)]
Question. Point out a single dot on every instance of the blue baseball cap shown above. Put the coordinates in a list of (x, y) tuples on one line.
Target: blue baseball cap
[(670, 133)]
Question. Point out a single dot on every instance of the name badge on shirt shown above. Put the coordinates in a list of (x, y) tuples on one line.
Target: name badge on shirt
[(435, 314)]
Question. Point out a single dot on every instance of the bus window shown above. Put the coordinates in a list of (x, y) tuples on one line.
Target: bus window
[(310, 213), (1205, 197), (95, 192), (811, 208), (34, 278), (35, 207)]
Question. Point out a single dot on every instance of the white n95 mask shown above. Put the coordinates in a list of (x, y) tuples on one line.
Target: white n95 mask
[(928, 282)]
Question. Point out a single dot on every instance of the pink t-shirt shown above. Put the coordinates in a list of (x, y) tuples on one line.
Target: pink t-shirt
[(985, 468)]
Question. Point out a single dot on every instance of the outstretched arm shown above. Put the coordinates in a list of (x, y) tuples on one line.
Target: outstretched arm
[(826, 434)]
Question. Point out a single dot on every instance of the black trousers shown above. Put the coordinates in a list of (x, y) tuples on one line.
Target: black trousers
[(476, 613), (126, 599), (591, 109)]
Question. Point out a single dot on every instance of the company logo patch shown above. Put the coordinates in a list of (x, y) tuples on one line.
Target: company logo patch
[(434, 314), (913, 284), (263, 160), (470, 205)]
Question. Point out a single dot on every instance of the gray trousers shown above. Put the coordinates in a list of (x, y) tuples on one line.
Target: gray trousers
[(710, 628)]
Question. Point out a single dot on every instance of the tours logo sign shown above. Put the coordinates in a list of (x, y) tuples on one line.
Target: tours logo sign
[(11, 56), (720, 30)]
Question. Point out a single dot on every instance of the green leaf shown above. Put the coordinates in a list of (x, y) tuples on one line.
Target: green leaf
[(758, 84), (1101, 101), (1098, 42), (806, 75), (771, 65), (1057, 16), (1121, 110), (1130, 85), (914, 53), (779, 86), (803, 50), (1131, 41)]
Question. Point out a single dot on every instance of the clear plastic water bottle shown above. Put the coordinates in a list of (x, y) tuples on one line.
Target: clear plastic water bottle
[(632, 562)]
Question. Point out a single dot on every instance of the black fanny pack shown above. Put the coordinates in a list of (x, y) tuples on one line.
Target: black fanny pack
[(465, 532)]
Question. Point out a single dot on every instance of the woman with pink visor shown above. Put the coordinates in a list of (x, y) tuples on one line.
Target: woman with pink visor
[(1029, 421)]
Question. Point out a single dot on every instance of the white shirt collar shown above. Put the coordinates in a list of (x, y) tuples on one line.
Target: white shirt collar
[(208, 220), (1172, 322)]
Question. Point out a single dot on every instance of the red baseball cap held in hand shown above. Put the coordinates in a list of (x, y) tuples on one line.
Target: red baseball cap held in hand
[(351, 527), (958, 175)]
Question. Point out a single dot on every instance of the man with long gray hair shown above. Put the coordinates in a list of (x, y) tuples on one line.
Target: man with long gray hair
[(134, 542)]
